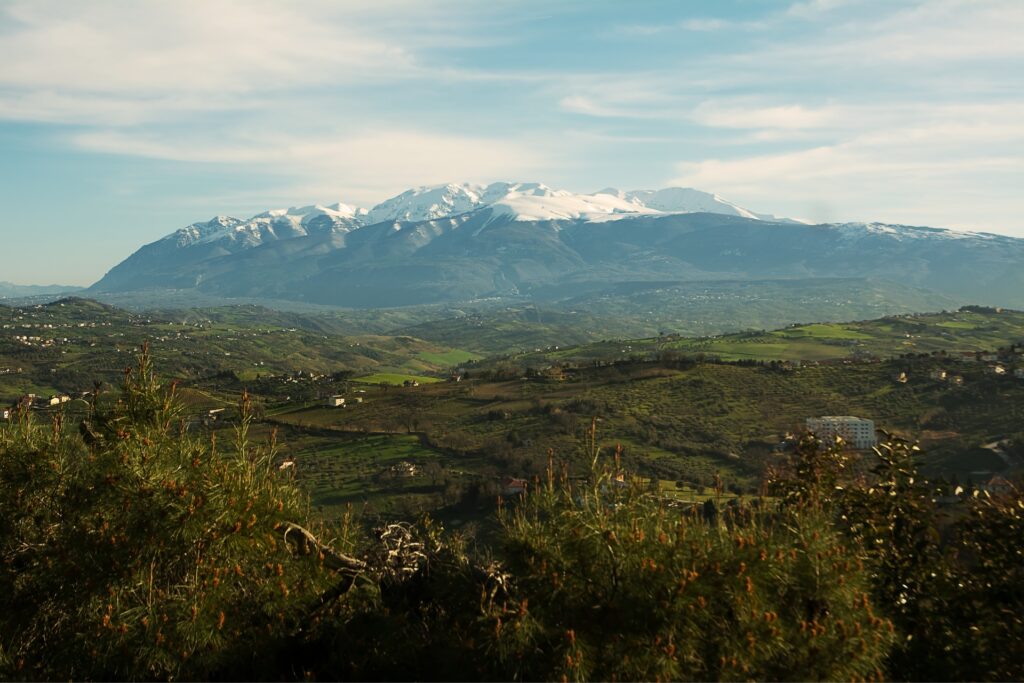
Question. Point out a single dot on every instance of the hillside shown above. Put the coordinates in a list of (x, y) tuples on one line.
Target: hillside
[(677, 423), (67, 345), (679, 419), (968, 329), (691, 309)]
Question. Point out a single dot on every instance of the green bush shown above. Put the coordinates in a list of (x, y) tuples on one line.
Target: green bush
[(138, 551), (951, 576), (132, 549), (615, 585)]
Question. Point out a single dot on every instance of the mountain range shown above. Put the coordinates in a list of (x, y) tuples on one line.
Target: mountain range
[(464, 242), (11, 290)]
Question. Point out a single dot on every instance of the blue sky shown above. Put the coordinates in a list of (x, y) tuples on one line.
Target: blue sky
[(121, 121)]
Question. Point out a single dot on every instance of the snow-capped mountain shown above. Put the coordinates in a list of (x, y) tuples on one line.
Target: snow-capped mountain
[(529, 202), (687, 200), (538, 202), (517, 201), (271, 225), (463, 241)]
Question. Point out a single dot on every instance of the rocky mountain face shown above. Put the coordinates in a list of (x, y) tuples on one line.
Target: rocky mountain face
[(464, 242)]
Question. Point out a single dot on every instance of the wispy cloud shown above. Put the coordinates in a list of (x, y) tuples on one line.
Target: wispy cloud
[(366, 165), (910, 112), (957, 174), (185, 46), (697, 25), (878, 105), (254, 84), (815, 8)]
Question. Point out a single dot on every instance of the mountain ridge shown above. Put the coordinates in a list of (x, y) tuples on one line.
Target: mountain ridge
[(461, 242)]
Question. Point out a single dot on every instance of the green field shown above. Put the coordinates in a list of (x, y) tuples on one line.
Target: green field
[(689, 424), (889, 337), (682, 411), (394, 378), (451, 358), (74, 343), (346, 470)]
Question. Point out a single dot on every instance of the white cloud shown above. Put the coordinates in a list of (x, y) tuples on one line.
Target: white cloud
[(828, 96), (705, 24), (610, 107), (814, 8), (912, 175), (262, 85), (367, 166), (695, 25), (930, 35), (753, 115), (909, 113), (144, 57)]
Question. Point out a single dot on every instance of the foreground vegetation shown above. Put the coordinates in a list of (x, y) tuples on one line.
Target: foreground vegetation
[(131, 548)]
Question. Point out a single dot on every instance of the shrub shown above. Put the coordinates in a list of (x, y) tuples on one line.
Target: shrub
[(951, 577), (138, 551), (613, 584), (130, 548)]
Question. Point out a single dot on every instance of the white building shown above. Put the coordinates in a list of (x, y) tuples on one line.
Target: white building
[(336, 402), (856, 431)]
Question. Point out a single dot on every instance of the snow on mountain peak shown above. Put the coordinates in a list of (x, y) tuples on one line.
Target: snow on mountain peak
[(426, 203), (441, 201), (198, 232), (561, 205), (536, 202), (512, 200)]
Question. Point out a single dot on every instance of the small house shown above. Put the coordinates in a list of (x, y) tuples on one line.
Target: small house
[(404, 469), (556, 373), (996, 485), (938, 375), (511, 486), (336, 402)]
